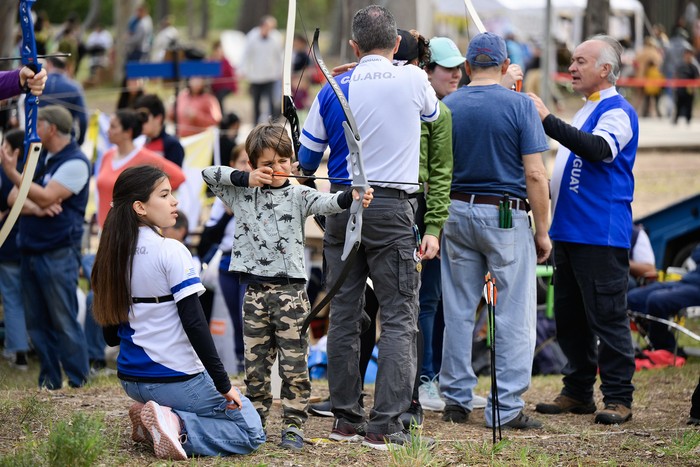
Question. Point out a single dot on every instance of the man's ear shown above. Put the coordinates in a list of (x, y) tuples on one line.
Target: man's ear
[(355, 48), (468, 69), (504, 66), (396, 46)]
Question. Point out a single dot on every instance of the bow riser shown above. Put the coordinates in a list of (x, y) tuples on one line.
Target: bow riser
[(32, 143)]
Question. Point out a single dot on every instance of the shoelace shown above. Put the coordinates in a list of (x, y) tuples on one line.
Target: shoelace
[(432, 384)]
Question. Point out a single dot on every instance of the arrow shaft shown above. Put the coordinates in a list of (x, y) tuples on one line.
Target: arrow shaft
[(341, 179)]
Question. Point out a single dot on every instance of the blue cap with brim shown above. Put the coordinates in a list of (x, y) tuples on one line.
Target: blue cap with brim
[(490, 47)]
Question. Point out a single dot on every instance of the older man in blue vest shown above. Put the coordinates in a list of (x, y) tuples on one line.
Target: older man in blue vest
[(592, 186)]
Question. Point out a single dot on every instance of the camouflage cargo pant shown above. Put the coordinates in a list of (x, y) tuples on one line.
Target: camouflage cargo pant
[(272, 319)]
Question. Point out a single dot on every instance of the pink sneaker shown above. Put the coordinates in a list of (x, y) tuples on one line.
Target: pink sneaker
[(139, 433), (163, 425)]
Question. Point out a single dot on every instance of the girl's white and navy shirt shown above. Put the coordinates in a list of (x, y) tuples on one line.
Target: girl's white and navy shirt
[(154, 344)]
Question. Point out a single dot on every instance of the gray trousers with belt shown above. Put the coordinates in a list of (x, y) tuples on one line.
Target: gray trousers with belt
[(387, 257)]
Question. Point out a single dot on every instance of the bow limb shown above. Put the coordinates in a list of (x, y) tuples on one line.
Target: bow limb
[(481, 28), (475, 16), (353, 231), (32, 143), (669, 323), (289, 110)]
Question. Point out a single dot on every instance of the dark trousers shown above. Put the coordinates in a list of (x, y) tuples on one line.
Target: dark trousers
[(260, 91), (592, 324), (684, 106), (663, 300)]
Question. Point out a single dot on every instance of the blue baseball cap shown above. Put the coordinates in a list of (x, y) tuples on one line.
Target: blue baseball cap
[(487, 44)]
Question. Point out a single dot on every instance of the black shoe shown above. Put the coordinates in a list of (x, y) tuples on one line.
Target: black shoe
[(321, 409), (455, 414), (523, 422), (20, 361), (383, 442), (344, 430), (693, 421), (413, 417)]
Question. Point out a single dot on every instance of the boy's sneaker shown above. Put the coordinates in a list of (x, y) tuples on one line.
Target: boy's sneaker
[(164, 427), (523, 422), (429, 394), (478, 402), (382, 442), (562, 404), (20, 361), (347, 431), (413, 417), (321, 409), (613, 414), (292, 438), (139, 433), (455, 414), (693, 421)]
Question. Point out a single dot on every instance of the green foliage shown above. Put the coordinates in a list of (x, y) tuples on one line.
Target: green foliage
[(77, 443), (29, 455), (417, 453)]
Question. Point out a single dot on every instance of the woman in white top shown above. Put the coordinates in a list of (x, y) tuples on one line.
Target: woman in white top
[(146, 296)]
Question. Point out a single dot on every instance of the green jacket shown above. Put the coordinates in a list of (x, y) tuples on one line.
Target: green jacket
[(436, 169)]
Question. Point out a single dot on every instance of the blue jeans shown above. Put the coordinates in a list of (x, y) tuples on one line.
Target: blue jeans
[(663, 300), (93, 331), (472, 244), (49, 284), (234, 293), (13, 307), (429, 298), (211, 428)]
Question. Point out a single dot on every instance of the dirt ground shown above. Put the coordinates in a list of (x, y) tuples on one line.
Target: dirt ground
[(657, 435)]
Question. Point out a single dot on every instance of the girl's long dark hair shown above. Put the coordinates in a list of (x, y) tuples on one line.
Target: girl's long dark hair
[(111, 273)]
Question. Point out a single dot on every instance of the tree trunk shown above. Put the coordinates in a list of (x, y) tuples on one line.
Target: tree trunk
[(123, 10), (597, 17), (91, 16), (190, 19), (250, 13), (404, 12), (162, 10), (204, 30), (8, 23)]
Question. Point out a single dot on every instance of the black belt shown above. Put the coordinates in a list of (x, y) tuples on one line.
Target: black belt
[(494, 200), (379, 191), (164, 298)]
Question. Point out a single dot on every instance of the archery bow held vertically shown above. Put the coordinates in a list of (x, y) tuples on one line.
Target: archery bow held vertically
[(32, 143), (353, 230)]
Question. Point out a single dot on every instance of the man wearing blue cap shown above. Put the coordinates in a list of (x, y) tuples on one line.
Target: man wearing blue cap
[(497, 146)]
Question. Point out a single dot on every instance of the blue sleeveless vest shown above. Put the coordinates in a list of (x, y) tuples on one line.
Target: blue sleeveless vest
[(594, 203)]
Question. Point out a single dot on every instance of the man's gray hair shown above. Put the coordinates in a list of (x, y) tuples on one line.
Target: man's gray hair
[(610, 54), (374, 28)]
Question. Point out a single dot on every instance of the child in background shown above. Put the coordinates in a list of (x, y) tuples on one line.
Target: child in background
[(269, 255), (146, 296)]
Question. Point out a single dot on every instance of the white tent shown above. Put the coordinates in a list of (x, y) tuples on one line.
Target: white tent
[(526, 18)]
